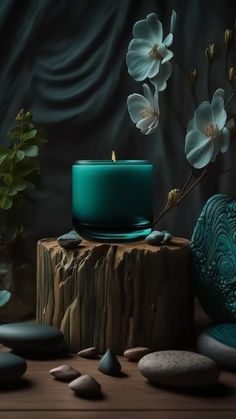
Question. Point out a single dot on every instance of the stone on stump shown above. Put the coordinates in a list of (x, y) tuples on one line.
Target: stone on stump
[(116, 296)]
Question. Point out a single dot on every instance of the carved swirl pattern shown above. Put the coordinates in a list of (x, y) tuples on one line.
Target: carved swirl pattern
[(214, 258)]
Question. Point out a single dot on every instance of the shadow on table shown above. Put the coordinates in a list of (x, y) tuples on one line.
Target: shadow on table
[(21, 384), (44, 357), (98, 397), (217, 391)]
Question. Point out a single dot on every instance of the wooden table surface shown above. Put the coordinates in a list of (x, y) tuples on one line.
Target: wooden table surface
[(40, 396)]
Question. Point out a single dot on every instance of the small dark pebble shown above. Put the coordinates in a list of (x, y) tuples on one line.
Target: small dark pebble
[(158, 237), (167, 237), (89, 353), (69, 240)]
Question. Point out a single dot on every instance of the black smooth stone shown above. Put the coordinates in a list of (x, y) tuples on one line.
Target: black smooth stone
[(12, 367), (109, 364), (32, 338), (69, 240)]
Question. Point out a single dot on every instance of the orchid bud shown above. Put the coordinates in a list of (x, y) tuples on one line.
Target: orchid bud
[(192, 78), (228, 36), (28, 116), (20, 115), (210, 52), (232, 74), (173, 196)]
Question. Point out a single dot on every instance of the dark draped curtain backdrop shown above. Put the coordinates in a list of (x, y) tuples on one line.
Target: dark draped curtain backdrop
[(65, 60)]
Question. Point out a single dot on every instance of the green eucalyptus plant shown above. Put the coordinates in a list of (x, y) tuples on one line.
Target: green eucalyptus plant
[(19, 173)]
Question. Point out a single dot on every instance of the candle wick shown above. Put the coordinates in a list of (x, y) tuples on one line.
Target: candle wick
[(113, 156)]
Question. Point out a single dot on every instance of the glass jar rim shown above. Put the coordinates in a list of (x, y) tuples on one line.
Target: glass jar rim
[(111, 162)]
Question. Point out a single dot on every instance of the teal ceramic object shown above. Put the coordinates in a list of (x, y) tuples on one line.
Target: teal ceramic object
[(214, 258), (112, 201), (224, 333), (219, 343)]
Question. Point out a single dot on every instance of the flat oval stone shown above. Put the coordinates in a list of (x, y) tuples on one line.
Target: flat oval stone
[(135, 354), (109, 364), (69, 240), (86, 386), (89, 353), (65, 373), (179, 369), (219, 343), (12, 367), (213, 251), (32, 338)]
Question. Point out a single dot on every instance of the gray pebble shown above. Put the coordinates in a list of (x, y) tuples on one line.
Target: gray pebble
[(179, 369)]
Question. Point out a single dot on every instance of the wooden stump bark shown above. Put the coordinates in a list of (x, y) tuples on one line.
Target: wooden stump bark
[(116, 295)]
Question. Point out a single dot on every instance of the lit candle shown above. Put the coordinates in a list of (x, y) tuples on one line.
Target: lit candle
[(112, 200)]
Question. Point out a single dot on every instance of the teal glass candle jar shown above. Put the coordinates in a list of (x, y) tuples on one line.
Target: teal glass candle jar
[(112, 201)]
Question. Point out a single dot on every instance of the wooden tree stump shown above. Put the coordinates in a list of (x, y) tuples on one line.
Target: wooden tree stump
[(116, 295)]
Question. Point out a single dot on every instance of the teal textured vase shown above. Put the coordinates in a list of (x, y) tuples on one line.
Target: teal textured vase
[(214, 258), (219, 343), (112, 201)]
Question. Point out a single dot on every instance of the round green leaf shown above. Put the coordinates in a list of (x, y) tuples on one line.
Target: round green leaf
[(4, 297), (28, 115), (5, 203), (31, 151), (3, 191), (20, 155), (18, 185), (8, 179), (30, 134)]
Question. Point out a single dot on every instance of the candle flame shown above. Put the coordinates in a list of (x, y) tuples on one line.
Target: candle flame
[(113, 156)]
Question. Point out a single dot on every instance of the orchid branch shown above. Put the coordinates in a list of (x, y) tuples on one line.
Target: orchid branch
[(228, 169), (188, 180), (183, 195), (192, 90), (230, 98), (208, 79)]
